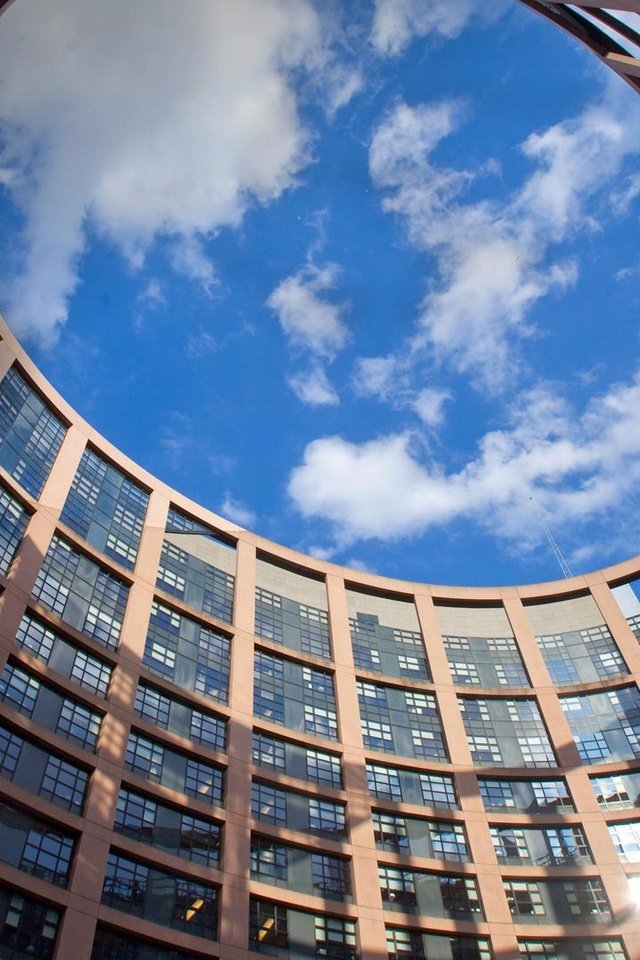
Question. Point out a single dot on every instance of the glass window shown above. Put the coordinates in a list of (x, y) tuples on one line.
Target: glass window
[(10, 749), (330, 876), (152, 705), (397, 887), (144, 757), (135, 815), (91, 673), (626, 839), (335, 938), (390, 832), (111, 945), (13, 523), (32, 845), (448, 841), (203, 653), (571, 950), (326, 817), (30, 433), (64, 783), (324, 768), (79, 724), (268, 804), (203, 782), (605, 725), (106, 508), (208, 730), (268, 860), (19, 689), (268, 926), (191, 566), (28, 927), (294, 624), (437, 791), (268, 752), (524, 899), (82, 593), (174, 900)]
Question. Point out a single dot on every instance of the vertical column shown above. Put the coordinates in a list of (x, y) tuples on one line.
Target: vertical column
[(489, 877), (366, 882), (234, 902), (618, 626), (77, 930), (574, 771)]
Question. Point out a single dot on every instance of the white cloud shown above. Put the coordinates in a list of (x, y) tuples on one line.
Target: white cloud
[(429, 405), (187, 257), (397, 22), (307, 317), (313, 388), (576, 467), (148, 120), (201, 344), (236, 511), (496, 259), (152, 296)]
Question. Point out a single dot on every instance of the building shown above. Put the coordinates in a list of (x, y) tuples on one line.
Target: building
[(212, 746), (408, 771)]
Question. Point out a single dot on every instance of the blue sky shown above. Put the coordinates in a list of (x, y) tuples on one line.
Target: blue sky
[(361, 276)]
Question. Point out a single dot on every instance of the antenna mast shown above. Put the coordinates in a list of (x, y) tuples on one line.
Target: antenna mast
[(557, 552)]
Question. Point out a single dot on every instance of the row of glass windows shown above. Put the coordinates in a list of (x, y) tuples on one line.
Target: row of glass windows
[(187, 569), (30, 433), (445, 895), (171, 714), (297, 811), (35, 846), (64, 657), (296, 696), (41, 772), (500, 732), (106, 509), (28, 928), (186, 652), (167, 828), (154, 762), (52, 710), (298, 869), (405, 722), (13, 523), (171, 899)]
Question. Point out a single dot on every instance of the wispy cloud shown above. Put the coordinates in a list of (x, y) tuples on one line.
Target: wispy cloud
[(155, 121), (495, 259), (397, 22), (313, 388), (237, 511)]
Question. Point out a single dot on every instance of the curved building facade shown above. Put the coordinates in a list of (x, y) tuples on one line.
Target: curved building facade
[(213, 746)]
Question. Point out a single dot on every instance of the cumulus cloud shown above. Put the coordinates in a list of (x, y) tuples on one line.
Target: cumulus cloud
[(496, 259), (577, 467), (307, 317), (148, 120), (237, 511), (313, 388), (397, 22)]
